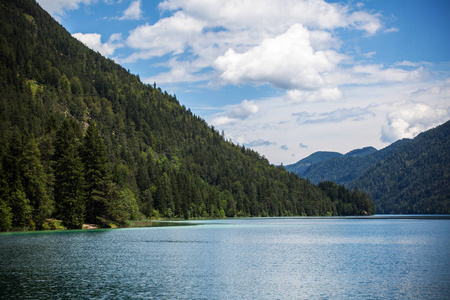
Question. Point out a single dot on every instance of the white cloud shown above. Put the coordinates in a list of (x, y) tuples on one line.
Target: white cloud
[(369, 54), (287, 61), (406, 63), (412, 119), (336, 116), (93, 41), (293, 38), (370, 23), (169, 35), (133, 12), (235, 113), (275, 15), (179, 71), (392, 29), (324, 94), (442, 91), (373, 74)]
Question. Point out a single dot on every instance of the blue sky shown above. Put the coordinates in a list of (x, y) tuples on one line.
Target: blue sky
[(288, 77)]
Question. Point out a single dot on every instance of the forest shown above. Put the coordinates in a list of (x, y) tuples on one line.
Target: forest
[(84, 141), (410, 176), (413, 179)]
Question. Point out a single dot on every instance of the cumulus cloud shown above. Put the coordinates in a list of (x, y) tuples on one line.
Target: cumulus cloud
[(412, 119), (287, 61), (288, 44), (93, 41), (370, 23), (276, 15), (168, 35), (235, 113), (133, 12)]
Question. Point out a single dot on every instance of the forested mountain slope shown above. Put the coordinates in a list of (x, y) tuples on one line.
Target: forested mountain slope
[(339, 168), (83, 140), (302, 166), (415, 178)]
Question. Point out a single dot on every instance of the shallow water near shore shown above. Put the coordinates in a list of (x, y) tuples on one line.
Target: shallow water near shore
[(259, 258)]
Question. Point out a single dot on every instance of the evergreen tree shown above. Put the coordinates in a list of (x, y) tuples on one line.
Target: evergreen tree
[(69, 177), (34, 181), (5, 209), (122, 207), (20, 205), (97, 173)]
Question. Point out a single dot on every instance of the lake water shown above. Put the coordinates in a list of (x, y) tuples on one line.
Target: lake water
[(262, 258)]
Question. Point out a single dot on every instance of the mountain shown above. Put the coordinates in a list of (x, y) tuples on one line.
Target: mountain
[(408, 176), (84, 141), (339, 168), (361, 152), (303, 165), (415, 178)]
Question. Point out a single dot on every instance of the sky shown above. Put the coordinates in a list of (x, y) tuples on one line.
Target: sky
[(286, 78)]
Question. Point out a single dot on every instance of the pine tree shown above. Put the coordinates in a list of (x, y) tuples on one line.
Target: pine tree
[(34, 181), (22, 218), (69, 178), (5, 209), (97, 174)]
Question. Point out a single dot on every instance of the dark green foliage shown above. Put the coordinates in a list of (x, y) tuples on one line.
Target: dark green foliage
[(409, 176), (21, 208), (415, 178), (97, 173), (83, 140), (347, 202), (342, 169), (34, 180), (302, 166), (69, 177)]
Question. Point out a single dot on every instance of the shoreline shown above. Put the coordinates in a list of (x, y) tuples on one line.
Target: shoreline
[(180, 222)]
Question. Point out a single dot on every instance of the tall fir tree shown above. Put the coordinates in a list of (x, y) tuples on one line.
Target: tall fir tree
[(69, 179), (6, 213), (34, 181), (97, 174)]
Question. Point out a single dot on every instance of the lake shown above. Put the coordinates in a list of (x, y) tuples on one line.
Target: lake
[(260, 258)]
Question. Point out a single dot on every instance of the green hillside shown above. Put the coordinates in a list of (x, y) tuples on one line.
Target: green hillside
[(415, 178), (84, 141), (303, 165), (339, 168), (407, 177)]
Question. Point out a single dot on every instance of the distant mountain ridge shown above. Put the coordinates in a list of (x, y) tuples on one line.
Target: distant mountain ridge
[(340, 168), (361, 152), (415, 178), (408, 176), (303, 165)]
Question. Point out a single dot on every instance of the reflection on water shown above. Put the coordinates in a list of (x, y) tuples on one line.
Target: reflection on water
[(233, 259)]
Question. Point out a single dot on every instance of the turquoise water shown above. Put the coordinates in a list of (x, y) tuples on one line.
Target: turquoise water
[(261, 258)]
